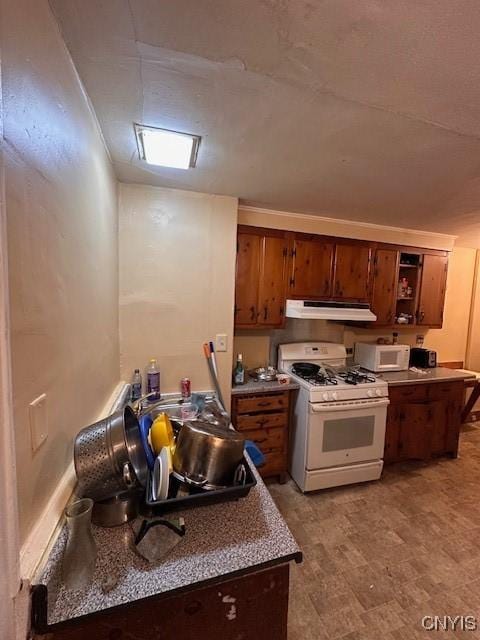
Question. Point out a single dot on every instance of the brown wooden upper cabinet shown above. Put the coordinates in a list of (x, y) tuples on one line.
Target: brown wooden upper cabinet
[(273, 265), (311, 268), (351, 272), (385, 285), (261, 274), (247, 279), (431, 298)]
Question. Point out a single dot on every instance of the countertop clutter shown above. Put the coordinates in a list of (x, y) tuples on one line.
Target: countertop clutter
[(259, 386), (436, 374), (237, 536)]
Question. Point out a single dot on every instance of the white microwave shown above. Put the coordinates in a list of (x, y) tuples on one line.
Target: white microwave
[(382, 357)]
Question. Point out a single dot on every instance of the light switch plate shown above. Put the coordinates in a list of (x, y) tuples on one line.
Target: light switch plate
[(221, 342), (38, 421)]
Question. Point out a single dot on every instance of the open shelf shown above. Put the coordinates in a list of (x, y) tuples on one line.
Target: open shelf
[(409, 269)]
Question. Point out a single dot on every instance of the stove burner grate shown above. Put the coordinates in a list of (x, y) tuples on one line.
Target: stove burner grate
[(314, 374), (356, 376)]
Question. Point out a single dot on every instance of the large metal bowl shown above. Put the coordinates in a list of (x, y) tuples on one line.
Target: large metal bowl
[(263, 374), (206, 455)]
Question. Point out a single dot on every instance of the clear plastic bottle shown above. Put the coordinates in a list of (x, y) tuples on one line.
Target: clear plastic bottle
[(239, 371), (136, 385), (153, 381)]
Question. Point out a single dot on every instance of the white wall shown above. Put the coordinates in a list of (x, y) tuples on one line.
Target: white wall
[(61, 207), (177, 272)]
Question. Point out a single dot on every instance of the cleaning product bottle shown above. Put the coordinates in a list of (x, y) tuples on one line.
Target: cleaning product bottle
[(136, 385), (239, 371), (153, 381)]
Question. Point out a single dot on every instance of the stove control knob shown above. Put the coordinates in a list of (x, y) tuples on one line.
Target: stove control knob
[(378, 392), (370, 393), (334, 395), (325, 396)]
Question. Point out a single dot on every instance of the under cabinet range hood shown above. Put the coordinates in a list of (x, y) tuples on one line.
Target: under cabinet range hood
[(329, 310)]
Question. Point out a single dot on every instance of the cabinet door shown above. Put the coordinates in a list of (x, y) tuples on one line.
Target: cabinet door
[(273, 271), (312, 267), (247, 278), (449, 400), (384, 294), (432, 291), (392, 434), (415, 430), (352, 272)]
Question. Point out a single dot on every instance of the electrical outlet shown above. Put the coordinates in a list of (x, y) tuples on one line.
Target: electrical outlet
[(221, 342), (38, 421)]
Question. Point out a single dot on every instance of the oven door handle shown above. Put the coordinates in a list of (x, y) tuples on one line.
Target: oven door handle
[(327, 407)]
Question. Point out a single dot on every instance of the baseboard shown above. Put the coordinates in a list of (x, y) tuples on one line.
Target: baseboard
[(44, 533)]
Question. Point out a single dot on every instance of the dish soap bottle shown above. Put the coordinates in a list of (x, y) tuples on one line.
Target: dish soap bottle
[(136, 385), (239, 371), (153, 381)]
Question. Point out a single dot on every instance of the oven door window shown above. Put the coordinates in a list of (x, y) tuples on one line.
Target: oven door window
[(348, 433)]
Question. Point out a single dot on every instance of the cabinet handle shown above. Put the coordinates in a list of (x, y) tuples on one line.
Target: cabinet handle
[(265, 313), (421, 315), (252, 312)]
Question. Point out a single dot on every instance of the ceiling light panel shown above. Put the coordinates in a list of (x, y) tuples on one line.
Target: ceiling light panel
[(165, 148)]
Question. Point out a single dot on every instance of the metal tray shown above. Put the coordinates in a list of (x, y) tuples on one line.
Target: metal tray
[(196, 497)]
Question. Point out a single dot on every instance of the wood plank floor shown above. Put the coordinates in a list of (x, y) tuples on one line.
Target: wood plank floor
[(380, 556)]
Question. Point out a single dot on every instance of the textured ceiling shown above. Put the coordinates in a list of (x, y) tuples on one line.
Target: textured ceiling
[(361, 110)]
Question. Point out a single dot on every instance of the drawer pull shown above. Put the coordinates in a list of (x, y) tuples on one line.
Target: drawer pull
[(264, 404), (261, 440)]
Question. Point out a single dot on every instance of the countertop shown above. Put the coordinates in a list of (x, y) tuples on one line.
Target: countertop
[(220, 539), (255, 386), (437, 374)]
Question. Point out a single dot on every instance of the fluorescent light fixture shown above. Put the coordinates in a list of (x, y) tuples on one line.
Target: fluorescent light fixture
[(166, 148)]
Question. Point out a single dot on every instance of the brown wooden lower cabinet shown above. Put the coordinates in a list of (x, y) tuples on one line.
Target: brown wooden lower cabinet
[(264, 418), (423, 421), (248, 607)]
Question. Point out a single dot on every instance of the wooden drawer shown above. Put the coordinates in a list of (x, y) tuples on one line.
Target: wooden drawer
[(446, 390), (262, 403), (417, 392), (268, 439), (275, 463), (265, 421)]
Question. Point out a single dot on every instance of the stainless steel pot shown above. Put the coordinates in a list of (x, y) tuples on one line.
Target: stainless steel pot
[(109, 456), (206, 455), (117, 510)]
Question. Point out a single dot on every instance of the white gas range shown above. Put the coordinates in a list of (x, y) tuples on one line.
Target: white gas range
[(338, 434)]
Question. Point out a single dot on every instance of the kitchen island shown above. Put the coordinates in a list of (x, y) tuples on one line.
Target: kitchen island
[(228, 576), (425, 413)]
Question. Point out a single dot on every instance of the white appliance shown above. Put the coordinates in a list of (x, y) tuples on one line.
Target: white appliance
[(382, 357), (338, 433), (329, 310)]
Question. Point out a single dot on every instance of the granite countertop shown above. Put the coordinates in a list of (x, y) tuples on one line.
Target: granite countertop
[(220, 539), (256, 386), (437, 374)]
